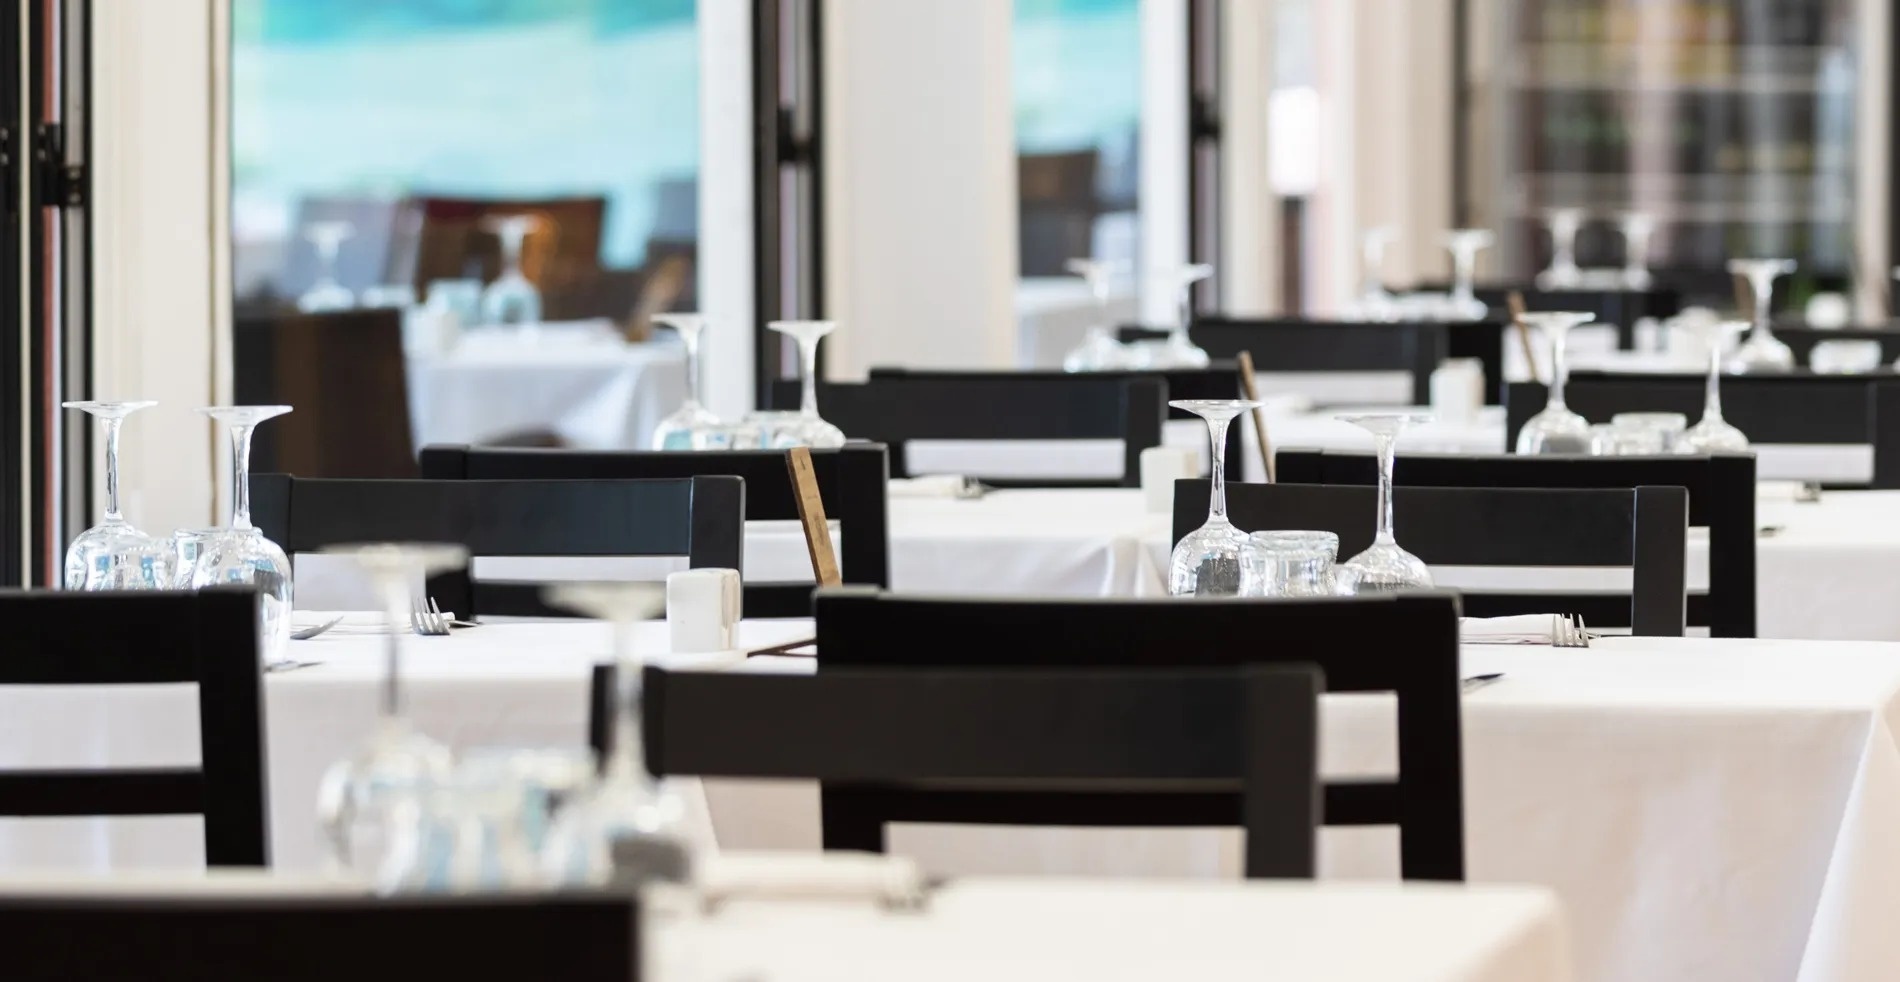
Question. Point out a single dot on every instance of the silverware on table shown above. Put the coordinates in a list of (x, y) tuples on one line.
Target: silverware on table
[(1569, 632), (1476, 682), (289, 665), (1809, 492), (311, 632), (429, 620)]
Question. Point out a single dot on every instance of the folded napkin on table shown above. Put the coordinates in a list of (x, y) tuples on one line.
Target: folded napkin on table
[(894, 880), (1516, 629)]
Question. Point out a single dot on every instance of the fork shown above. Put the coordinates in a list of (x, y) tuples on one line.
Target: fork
[(1569, 632), (427, 621)]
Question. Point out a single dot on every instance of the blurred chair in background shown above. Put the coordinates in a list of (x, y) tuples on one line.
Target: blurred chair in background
[(344, 373), (1056, 210)]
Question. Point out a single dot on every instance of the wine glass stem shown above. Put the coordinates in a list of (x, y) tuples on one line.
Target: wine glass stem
[(1764, 292), (1217, 457), (112, 470), (1387, 449), (241, 475), (808, 368), (1712, 400), (691, 340), (395, 589), (1559, 368), (511, 239), (1186, 315), (1461, 274), (624, 759)]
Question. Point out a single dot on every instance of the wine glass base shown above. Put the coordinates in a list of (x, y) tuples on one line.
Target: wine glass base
[(1386, 568), (1211, 562)]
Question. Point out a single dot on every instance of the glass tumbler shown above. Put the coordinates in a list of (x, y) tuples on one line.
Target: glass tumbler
[(1290, 563)]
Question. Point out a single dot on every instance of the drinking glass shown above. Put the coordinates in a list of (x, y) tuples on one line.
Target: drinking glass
[(511, 299), (187, 546), (1181, 352), (679, 431), (1375, 303), (1099, 351), (457, 832), (628, 816), (1855, 357), (1556, 429), (1637, 227), (239, 554), (1563, 272), (1712, 433), (326, 293), (1464, 244), (1384, 567), (1762, 352), (1640, 434), (360, 796), (1208, 561), (807, 429), (113, 555), (1291, 563)]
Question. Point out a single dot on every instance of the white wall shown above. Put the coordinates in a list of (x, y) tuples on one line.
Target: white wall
[(160, 289), (920, 184), (1250, 224), (1164, 156), (725, 206)]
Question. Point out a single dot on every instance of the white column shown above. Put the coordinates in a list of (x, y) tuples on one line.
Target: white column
[(725, 205), (1873, 164), (1250, 220), (160, 263), (920, 184), (1164, 154)]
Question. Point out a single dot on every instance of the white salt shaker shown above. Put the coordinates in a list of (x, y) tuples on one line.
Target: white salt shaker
[(1458, 390), (702, 610)]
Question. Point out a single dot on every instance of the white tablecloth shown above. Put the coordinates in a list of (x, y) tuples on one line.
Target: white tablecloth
[(593, 390), (1706, 810)]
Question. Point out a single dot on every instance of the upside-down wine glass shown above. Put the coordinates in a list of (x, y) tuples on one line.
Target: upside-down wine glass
[(680, 430), (512, 298), (1563, 272), (1464, 244), (1375, 302), (326, 293), (1556, 429), (1762, 352), (1182, 352), (1099, 351), (239, 554), (1208, 562), (356, 796), (1384, 567), (1712, 433), (1637, 228), (808, 429), (628, 817), (113, 555)]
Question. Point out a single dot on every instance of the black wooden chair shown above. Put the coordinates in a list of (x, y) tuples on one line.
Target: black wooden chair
[(1721, 491), (1798, 407), (321, 937), (1407, 645), (208, 638), (1293, 345), (894, 411), (1622, 308), (700, 518), (1219, 380), (850, 479), (1250, 732), (1645, 529)]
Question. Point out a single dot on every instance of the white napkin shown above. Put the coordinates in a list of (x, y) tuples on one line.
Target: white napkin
[(893, 880), (1516, 629), (932, 486)]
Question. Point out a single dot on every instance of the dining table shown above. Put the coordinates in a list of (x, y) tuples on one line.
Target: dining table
[(1703, 808)]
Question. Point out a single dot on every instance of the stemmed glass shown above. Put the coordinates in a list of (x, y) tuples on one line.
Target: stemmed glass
[(113, 555), (1464, 244), (326, 293), (1637, 228), (1556, 429), (239, 554), (1181, 351), (1762, 352), (1384, 567), (1375, 302), (679, 430), (807, 429), (1563, 271), (1208, 562), (1712, 433), (628, 810), (355, 798), (1099, 351), (511, 299)]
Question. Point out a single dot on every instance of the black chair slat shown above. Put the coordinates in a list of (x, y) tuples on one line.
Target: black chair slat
[(135, 791)]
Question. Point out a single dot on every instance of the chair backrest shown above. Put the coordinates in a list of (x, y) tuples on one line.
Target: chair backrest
[(1798, 407), (209, 638), (1219, 380), (1620, 307), (453, 240), (1250, 731), (1293, 345), (701, 518), (321, 936), (1721, 491), (1645, 529), (344, 371), (1407, 645), (850, 479), (894, 411)]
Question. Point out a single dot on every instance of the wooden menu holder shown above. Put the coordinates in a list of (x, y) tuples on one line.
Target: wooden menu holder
[(811, 516), (1251, 391), (1523, 332)]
